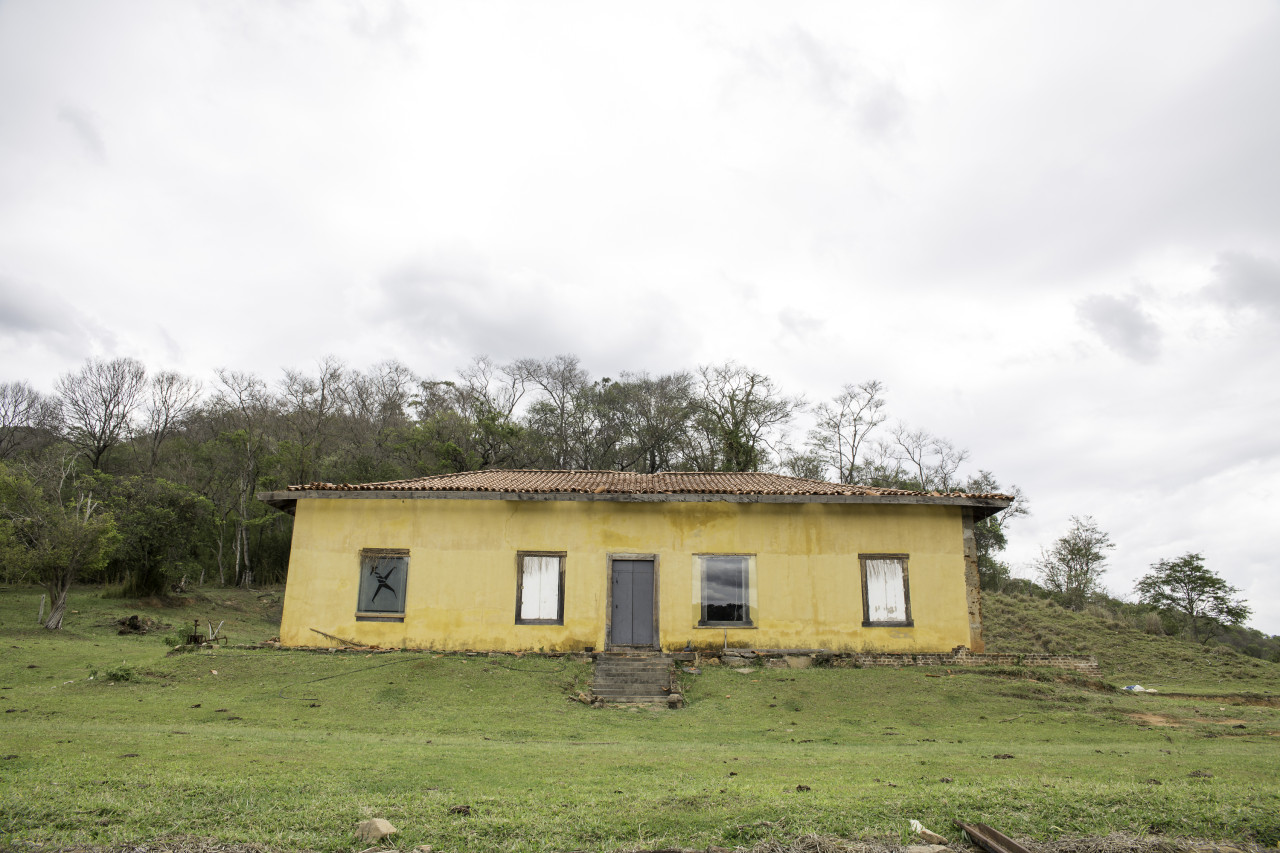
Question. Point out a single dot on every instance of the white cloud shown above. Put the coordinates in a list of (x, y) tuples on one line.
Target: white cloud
[(939, 196)]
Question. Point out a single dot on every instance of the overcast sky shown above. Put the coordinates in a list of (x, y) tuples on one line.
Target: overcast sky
[(1052, 230)]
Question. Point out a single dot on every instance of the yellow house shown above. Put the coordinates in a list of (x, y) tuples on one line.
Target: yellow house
[(577, 560)]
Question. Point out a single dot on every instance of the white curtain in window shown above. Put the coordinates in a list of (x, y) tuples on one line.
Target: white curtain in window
[(886, 595), (540, 593)]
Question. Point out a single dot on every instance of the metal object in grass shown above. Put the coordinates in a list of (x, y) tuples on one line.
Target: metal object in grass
[(215, 635), (991, 840)]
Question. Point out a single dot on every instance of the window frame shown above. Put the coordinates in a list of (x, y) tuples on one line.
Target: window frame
[(563, 556), (908, 622), (382, 615), (748, 561)]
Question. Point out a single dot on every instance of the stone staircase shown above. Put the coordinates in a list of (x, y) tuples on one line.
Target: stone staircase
[(639, 677)]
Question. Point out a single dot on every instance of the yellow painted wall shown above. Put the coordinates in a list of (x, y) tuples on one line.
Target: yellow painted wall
[(461, 591)]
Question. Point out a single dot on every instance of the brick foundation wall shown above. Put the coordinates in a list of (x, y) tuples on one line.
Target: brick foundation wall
[(960, 656)]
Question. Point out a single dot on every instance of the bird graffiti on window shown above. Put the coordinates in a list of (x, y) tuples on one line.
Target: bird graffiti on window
[(383, 579)]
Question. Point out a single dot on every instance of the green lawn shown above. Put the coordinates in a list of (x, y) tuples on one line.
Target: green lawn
[(292, 749)]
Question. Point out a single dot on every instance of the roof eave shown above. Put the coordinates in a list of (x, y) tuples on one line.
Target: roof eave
[(286, 501)]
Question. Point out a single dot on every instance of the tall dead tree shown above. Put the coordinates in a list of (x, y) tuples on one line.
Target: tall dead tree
[(24, 412), (173, 398), (98, 403), (842, 427)]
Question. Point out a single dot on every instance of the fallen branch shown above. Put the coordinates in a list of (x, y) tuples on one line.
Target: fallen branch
[(351, 644)]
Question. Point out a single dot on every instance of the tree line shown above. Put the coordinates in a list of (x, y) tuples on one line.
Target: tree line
[(147, 479), (1177, 596)]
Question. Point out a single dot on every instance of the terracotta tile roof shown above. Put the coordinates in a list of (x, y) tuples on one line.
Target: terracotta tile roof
[(626, 482)]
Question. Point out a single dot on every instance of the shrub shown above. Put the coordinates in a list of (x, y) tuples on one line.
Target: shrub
[(120, 673)]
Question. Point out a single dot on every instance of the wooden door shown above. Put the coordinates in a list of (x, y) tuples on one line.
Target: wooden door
[(631, 620)]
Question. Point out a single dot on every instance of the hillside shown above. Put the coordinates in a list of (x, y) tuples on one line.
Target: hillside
[(109, 740), (1127, 655)]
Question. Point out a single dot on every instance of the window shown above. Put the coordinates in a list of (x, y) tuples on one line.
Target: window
[(886, 595), (384, 573), (540, 588), (726, 589)]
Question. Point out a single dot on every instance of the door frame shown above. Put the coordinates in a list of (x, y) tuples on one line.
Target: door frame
[(608, 603)]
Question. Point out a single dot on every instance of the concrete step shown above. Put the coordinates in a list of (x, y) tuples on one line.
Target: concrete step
[(659, 680), (637, 678), (638, 690)]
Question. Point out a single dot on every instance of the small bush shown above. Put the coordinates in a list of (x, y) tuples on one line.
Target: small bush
[(120, 673)]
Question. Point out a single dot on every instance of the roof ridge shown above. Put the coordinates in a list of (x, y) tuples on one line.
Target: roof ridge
[(578, 480)]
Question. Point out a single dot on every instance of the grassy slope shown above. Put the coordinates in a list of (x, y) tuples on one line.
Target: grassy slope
[(1126, 655), (292, 749)]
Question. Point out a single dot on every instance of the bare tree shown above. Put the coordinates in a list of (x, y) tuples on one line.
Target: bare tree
[(310, 405), (173, 398), (374, 414), (24, 411), (932, 463), (563, 414), (244, 405), (98, 404), (844, 425), (741, 416)]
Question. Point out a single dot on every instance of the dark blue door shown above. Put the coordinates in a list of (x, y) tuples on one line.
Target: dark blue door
[(631, 622)]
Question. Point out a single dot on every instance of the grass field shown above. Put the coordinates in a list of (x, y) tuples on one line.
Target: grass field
[(293, 749)]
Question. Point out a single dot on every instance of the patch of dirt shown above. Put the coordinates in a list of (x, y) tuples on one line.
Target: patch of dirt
[(1230, 699), (1154, 719), (140, 625)]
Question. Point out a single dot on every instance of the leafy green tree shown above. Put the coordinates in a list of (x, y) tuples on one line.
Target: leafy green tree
[(1074, 565), (1199, 596), (160, 524), (54, 530), (991, 534)]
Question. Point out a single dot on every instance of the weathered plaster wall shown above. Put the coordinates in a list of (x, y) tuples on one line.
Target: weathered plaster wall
[(462, 571), (973, 586)]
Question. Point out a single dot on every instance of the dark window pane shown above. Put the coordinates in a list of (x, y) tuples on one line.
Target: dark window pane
[(724, 589), (382, 583)]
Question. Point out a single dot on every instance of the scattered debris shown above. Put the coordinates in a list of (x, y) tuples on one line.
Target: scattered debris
[(1138, 688), (927, 834), (351, 644), (692, 670), (139, 625), (991, 840), (374, 829)]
